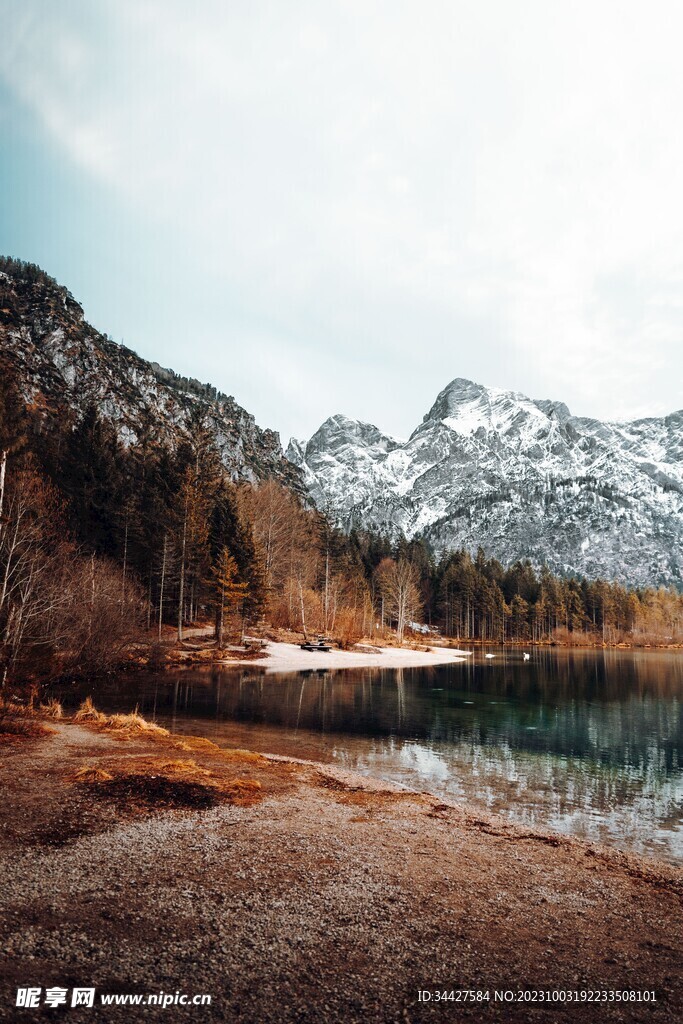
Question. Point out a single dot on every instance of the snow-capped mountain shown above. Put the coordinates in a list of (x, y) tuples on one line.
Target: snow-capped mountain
[(64, 364), (521, 478)]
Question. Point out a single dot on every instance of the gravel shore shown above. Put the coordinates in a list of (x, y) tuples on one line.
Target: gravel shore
[(323, 897)]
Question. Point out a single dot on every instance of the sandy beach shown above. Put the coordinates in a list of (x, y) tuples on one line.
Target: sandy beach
[(290, 891), (282, 657)]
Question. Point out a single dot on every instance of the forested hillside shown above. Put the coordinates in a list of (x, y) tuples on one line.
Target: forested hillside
[(63, 366), (109, 533)]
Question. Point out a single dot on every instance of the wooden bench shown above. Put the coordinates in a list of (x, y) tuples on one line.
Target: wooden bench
[(254, 644)]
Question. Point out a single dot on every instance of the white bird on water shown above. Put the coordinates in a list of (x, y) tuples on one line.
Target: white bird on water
[(526, 656), (490, 655)]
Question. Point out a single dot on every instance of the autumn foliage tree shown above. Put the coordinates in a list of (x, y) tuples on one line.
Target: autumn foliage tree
[(102, 535), (227, 592)]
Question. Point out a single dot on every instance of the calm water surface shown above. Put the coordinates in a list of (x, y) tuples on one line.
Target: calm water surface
[(585, 743)]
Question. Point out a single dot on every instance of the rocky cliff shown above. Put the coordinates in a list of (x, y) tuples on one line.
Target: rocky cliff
[(64, 365), (523, 478)]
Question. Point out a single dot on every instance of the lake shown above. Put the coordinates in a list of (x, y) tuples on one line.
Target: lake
[(586, 743)]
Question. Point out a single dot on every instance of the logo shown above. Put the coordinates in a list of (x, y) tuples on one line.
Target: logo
[(29, 998)]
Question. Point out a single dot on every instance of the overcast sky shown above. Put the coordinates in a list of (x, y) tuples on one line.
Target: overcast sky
[(338, 207)]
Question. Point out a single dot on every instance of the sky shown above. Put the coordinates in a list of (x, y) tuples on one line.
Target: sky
[(339, 207)]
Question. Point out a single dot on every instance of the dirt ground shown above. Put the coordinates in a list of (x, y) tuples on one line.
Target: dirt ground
[(314, 896)]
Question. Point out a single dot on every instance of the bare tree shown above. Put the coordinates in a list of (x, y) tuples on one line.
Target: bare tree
[(399, 585), (59, 611)]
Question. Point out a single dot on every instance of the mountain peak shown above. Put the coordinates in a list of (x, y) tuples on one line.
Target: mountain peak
[(457, 392), (523, 478), (340, 431), (465, 406)]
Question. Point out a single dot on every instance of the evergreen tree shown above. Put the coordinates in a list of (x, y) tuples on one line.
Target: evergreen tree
[(93, 479), (227, 592)]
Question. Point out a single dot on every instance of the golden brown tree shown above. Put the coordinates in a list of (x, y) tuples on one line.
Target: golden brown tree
[(226, 589)]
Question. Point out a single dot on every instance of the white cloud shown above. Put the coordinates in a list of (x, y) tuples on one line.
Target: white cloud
[(401, 193)]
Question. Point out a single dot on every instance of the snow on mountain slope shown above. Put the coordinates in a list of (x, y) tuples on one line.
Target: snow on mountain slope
[(522, 478)]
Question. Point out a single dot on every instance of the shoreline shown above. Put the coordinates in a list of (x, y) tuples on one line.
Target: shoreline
[(286, 657), (279, 656), (304, 892)]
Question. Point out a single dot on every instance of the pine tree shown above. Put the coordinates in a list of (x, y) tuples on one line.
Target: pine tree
[(227, 592), (93, 479)]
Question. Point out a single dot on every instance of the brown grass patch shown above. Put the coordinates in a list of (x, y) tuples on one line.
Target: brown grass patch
[(132, 722), (128, 723), (143, 791), (183, 768), (87, 712), (370, 798), (242, 755), (159, 766), (22, 729), (241, 792), (157, 792), (89, 773), (200, 744), (157, 783), (248, 654), (196, 743), (17, 722), (53, 709)]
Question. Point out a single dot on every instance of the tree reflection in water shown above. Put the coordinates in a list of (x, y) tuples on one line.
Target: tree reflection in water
[(587, 742)]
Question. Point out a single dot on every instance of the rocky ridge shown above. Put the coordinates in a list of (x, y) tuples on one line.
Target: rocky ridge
[(65, 365), (521, 478)]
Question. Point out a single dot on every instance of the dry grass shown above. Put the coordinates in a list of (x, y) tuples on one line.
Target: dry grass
[(87, 712), (373, 798), (89, 773), (22, 729), (242, 755), (17, 722), (132, 722), (151, 782), (198, 743), (11, 708), (201, 745), (245, 655), (53, 709), (241, 792), (166, 786), (156, 783), (237, 791), (183, 768), (148, 784)]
